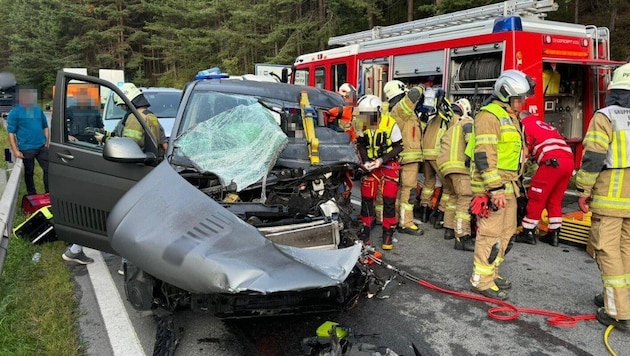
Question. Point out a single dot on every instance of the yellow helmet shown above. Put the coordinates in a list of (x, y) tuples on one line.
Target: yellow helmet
[(621, 78), (131, 92)]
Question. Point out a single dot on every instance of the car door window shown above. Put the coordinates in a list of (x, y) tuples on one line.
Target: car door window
[(83, 115)]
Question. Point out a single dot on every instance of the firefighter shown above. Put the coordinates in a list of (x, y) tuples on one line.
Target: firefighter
[(379, 146), (555, 168), (341, 118), (454, 166), (129, 126), (402, 103), (349, 94), (603, 185), (435, 129), (497, 149)]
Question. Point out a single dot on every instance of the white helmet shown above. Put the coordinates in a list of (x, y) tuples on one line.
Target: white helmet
[(346, 90), (464, 104), (513, 83), (394, 88), (131, 92), (621, 78), (369, 104)]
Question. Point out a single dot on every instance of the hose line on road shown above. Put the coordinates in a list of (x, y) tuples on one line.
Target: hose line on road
[(504, 311)]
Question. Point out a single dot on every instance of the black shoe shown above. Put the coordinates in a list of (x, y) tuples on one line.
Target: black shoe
[(526, 236), (492, 292), (439, 219), (503, 283), (598, 300), (449, 234), (551, 238), (465, 243), (604, 318)]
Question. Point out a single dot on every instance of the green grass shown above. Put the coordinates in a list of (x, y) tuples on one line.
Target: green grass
[(38, 308)]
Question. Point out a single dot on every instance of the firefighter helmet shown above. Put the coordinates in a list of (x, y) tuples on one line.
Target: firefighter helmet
[(621, 78), (394, 88), (513, 83), (464, 104), (369, 104), (131, 92), (346, 90)]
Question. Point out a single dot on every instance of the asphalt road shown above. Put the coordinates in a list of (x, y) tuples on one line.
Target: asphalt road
[(562, 279)]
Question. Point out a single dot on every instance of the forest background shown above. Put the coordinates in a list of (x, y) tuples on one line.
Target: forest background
[(165, 42)]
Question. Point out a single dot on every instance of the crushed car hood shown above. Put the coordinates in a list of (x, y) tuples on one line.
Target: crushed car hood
[(239, 146), (173, 231)]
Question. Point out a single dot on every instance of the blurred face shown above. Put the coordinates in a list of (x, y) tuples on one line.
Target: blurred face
[(83, 98), (27, 97), (517, 103)]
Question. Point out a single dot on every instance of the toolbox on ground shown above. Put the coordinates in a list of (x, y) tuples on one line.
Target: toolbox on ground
[(575, 226), (34, 202), (38, 228)]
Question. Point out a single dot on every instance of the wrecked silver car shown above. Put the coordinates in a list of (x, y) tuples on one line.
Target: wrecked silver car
[(234, 219)]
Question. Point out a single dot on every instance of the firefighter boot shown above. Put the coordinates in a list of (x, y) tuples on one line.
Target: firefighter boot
[(388, 239), (364, 235), (449, 234), (465, 243), (412, 229), (551, 238), (527, 236), (439, 219)]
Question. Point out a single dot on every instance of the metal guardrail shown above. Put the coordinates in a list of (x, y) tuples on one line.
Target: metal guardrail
[(7, 208)]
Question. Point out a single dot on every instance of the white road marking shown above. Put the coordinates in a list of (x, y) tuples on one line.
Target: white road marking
[(122, 335)]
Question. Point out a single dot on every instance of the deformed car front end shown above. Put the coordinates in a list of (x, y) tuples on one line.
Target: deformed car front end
[(238, 222)]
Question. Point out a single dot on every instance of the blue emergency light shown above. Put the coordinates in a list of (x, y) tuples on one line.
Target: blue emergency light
[(509, 23), (211, 73)]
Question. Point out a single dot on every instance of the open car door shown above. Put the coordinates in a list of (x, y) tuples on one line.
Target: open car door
[(87, 177)]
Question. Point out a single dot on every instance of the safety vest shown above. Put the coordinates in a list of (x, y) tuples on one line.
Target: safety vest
[(380, 141), (617, 155), (509, 143)]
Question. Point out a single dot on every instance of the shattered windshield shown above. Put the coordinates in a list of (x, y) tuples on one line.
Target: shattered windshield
[(234, 137)]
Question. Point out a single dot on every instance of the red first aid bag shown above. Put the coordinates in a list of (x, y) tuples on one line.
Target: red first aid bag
[(32, 203)]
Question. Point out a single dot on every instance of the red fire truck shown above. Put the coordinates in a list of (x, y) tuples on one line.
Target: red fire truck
[(465, 52)]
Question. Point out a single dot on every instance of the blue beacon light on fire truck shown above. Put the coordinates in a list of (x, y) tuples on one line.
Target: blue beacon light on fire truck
[(211, 73), (509, 23)]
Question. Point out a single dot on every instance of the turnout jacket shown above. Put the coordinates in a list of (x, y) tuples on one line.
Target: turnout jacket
[(605, 171), (499, 150), (452, 157), (405, 116), (435, 129)]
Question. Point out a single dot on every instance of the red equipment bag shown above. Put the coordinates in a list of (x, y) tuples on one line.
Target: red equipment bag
[(32, 203)]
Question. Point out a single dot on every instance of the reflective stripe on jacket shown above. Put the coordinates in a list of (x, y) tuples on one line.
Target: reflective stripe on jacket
[(498, 147), (432, 137), (608, 187), (403, 113), (452, 157)]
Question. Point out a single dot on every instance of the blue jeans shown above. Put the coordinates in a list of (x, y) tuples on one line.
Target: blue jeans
[(41, 155)]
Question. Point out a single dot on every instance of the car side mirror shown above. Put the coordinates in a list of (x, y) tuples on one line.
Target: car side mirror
[(126, 150)]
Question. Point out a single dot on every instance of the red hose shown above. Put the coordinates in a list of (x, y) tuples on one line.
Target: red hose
[(504, 311)]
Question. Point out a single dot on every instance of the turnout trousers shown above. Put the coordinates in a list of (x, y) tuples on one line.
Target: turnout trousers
[(497, 228), (610, 239)]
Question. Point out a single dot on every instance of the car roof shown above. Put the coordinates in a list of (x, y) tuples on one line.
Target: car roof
[(288, 93)]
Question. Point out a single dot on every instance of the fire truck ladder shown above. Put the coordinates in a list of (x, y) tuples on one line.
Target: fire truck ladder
[(537, 8)]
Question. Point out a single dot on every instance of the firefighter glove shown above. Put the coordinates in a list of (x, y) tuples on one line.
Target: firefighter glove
[(583, 204), (479, 206)]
